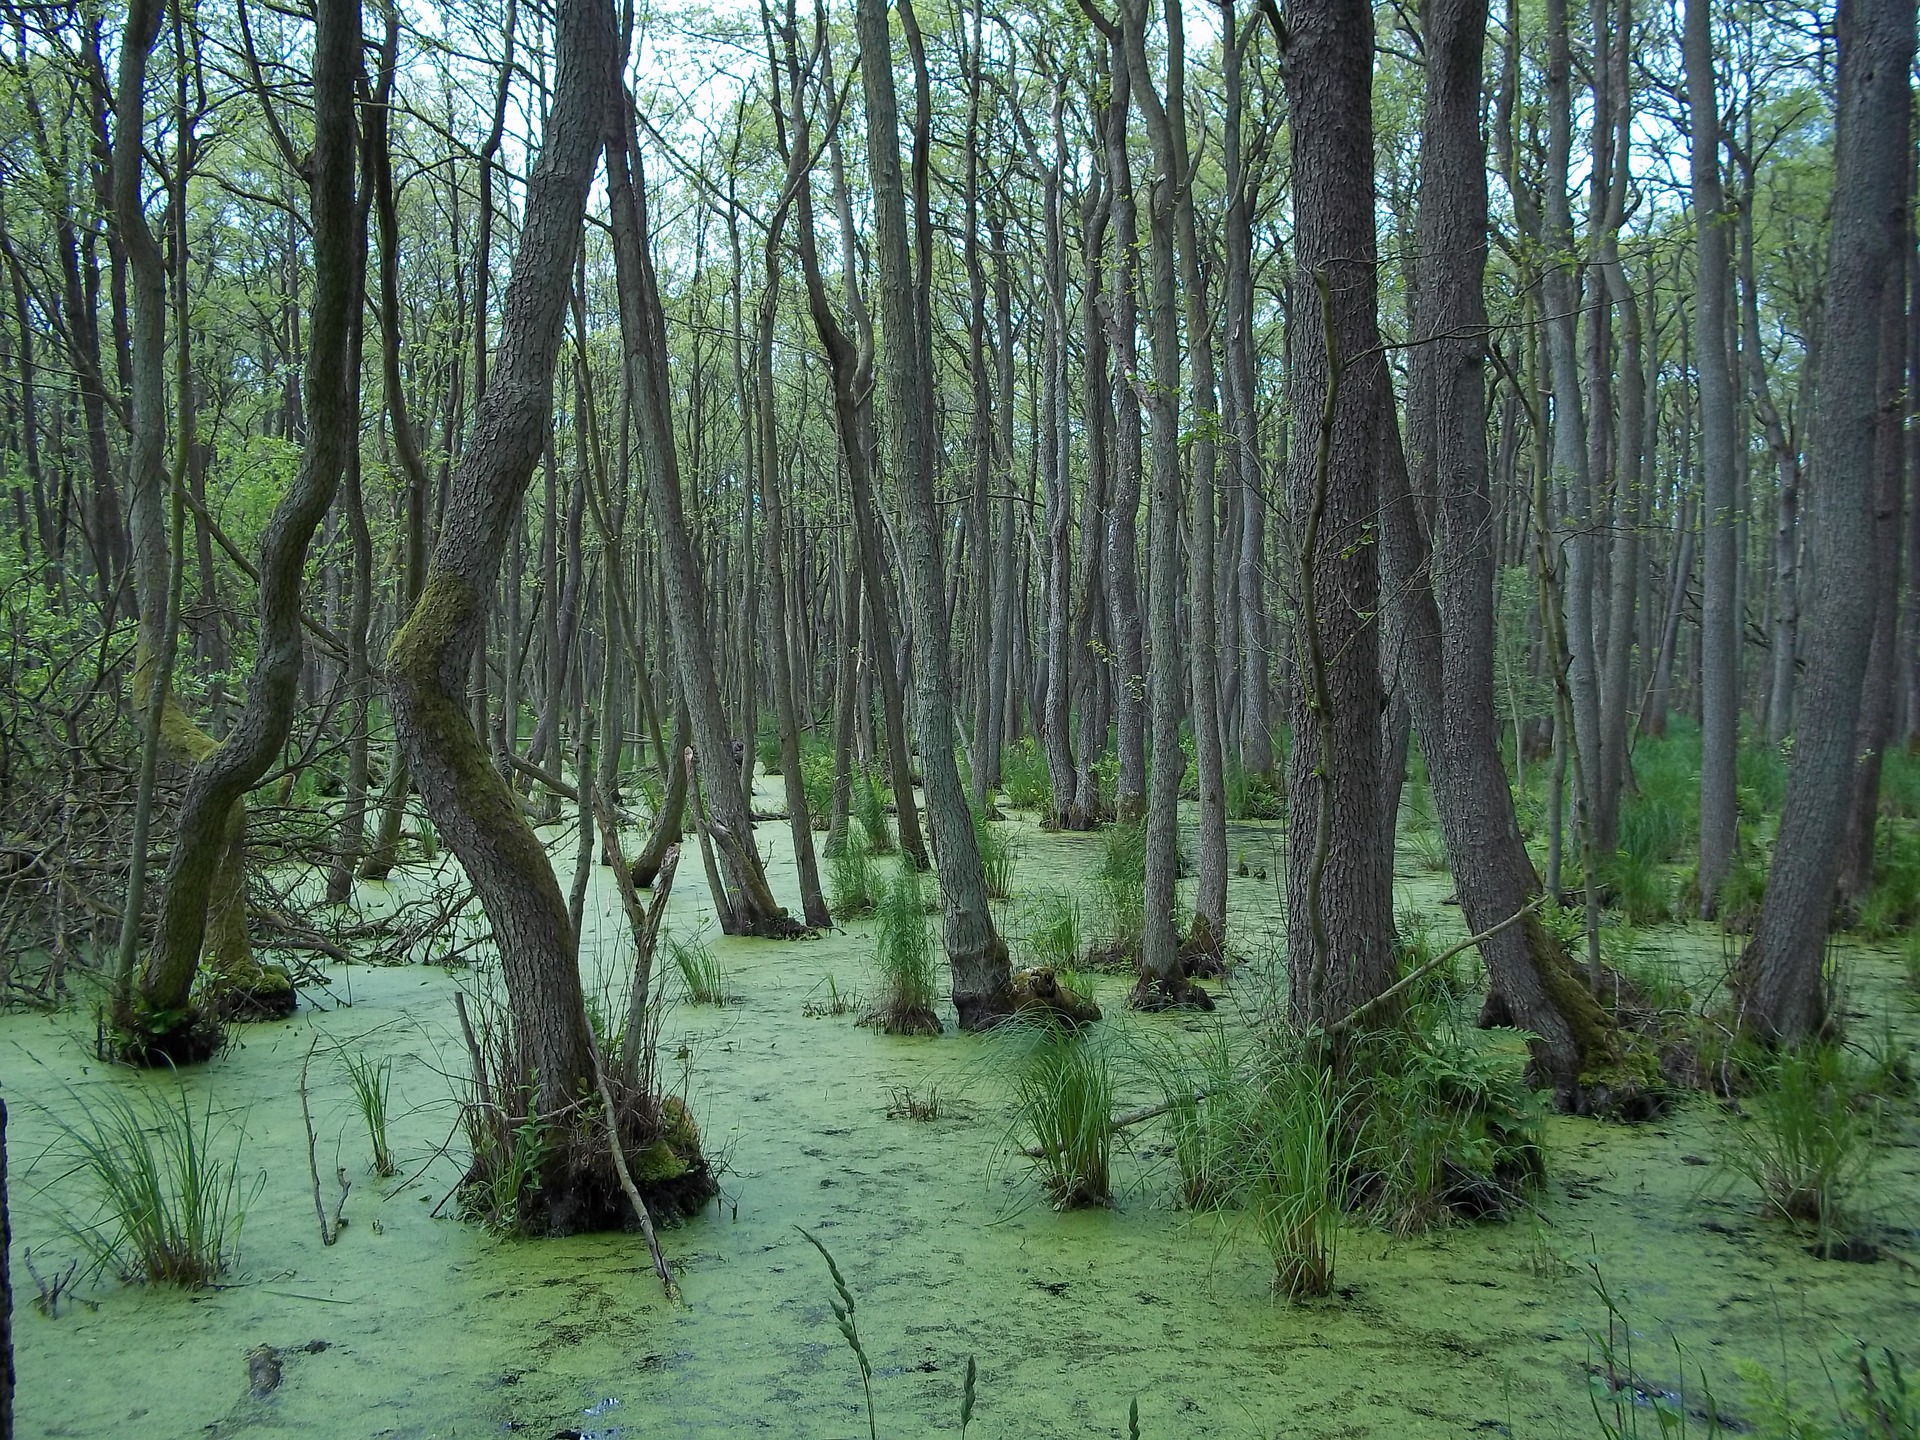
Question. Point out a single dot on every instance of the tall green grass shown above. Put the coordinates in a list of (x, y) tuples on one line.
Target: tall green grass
[(1024, 778), (1064, 1099), (850, 881), (998, 854), (1293, 1188), (870, 809), (158, 1187), (1120, 886), (908, 985), (370, 1081), (1052, 935), (702, 978), (1803, 1142)]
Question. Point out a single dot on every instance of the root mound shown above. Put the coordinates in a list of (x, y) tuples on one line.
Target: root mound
[(1039, 995), (151, 1042)]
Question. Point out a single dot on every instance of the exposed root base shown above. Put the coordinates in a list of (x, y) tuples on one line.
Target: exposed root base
[(907, 1020), (579, 1192), (778, 927), (1122, 956), (1039, 995), (1202, 953), (271, 997), (1153, 996), (193, 1038)]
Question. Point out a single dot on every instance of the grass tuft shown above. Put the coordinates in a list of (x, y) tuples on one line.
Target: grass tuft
[(909, 976), (701, 975), (370, 1080), (166, 1209), (1064, 1096), (1292, 1190), (1804, 1144), (850, 878)]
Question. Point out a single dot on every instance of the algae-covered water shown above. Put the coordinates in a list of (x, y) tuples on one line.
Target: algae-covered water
[(428, 1327)]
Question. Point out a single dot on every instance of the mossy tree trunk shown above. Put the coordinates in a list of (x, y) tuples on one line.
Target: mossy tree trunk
[(475, 810)]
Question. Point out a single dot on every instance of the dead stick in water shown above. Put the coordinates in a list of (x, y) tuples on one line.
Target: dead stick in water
[(1414, 976), (328, 1232), (626, 1176)]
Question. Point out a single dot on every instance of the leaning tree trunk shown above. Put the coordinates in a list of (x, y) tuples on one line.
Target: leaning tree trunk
[(747, 905), (205, 842), (1778, 981), (1440, 606), (1339, 844), (982, 985), (173, 733), (476, 811)]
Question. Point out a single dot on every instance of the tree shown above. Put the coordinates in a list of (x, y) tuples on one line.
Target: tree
[(1777, 984)]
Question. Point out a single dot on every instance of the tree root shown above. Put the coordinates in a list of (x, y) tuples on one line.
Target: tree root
[(1039, 995), (1152, 995), (149, 1042)]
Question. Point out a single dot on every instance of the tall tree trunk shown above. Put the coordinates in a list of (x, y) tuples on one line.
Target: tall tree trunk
[(1719, 622), (982, 987), (1778, 981), (1440, 605), (475, 810), (1339, 844)]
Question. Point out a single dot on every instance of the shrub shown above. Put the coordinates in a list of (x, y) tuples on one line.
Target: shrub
[(166, 1209), (1802, 1142), (1451, 1131), (701, 976), (904, 955), (1064, 1105), (850, 879), (1024, 777), (1640, 890)]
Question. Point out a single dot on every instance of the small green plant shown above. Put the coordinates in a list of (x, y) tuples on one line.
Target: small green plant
[(1250, 796), (834, 1002), (507, 1160), (1292, 1191), (1803, 1144), (768, 753), (904, 956), (1742, 892), (1064, 1097), (1052, 936), (1640, 890), (1879, 1402), (1024, 778), (1202, 1090), (1910, 959), (870, 809), (1414, 948), (1120, 882), (370, 1081), (906, 1103), (850, 879), (166, 1201), (701, 976), (1624, 1401), (997, 855), (844, 1315)]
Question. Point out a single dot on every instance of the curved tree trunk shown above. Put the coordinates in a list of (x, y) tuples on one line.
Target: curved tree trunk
[(475, 810), (204, 852)]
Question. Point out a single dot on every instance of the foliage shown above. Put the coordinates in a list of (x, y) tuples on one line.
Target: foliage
[(1052, 931), (1204, 1093), (1450, 1129), (1251, 796), (163, 1203), (1892, 906), (1297, 1159), (1024, 776), (909, 978), (1120, 884), (870, 809), (1802, 1141), (998, 852), (816, 781), (844, 1315)]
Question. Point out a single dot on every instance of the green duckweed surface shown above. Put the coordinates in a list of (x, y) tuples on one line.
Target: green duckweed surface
[(432, 1328)]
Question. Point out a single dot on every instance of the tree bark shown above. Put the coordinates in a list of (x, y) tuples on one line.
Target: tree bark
[(1777, 983)]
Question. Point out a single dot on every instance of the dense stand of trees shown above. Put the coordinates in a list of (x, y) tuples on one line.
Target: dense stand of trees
[(1167, 400)]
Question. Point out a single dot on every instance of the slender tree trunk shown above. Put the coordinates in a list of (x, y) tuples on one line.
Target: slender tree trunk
[(982, 991), (1778, 981)]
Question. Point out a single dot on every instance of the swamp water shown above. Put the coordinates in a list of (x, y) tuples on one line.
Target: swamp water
[(429, 1327)]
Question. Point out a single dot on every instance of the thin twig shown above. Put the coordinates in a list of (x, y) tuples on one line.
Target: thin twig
[(1419, 973), (329, 1231)]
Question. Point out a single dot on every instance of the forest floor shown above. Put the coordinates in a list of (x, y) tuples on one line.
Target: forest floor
[(433, 1328)]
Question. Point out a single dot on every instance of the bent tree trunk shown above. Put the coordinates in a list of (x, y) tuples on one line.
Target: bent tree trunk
[(1777, 984), (228, 951), (1339, 844), (982, 982), (476, 812), (210, 833)]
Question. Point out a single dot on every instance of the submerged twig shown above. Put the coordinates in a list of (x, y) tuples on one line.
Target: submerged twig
[(329, 1229)]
